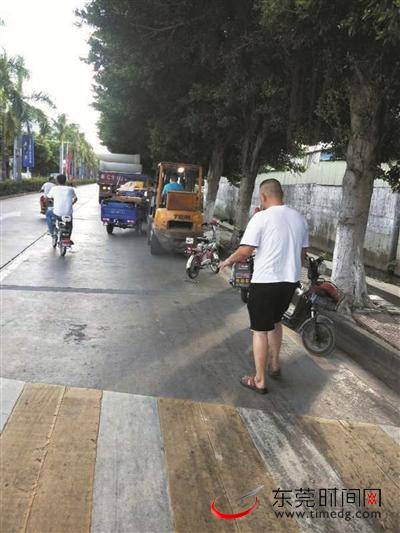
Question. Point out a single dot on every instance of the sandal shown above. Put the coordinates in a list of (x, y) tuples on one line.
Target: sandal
[(249, 383), (274, 373)]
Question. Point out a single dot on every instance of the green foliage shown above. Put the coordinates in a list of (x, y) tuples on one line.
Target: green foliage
[(19, 114), (392, 176), (343, 45), (46, 156)]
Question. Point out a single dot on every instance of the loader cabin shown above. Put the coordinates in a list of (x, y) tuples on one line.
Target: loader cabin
[(179, 189), (177, 209)]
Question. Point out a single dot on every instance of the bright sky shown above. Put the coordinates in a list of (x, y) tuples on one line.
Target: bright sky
[(44, 33)]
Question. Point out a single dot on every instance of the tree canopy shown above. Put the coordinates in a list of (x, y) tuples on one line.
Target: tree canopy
[(237, 85)]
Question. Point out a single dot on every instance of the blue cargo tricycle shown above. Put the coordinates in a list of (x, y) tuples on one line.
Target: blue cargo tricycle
[(123, 215)]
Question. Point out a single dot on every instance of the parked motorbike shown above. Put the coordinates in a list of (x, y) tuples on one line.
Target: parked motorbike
[(305, 314), (241, 275), (202, 252), (61, 235), (45, 203)]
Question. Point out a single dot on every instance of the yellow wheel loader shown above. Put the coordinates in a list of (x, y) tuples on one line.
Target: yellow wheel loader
[(176, 210)]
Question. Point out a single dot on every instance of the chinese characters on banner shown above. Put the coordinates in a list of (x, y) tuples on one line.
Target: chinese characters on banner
[(28, 151)]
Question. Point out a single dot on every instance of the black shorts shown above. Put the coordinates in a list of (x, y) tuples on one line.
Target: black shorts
[(268, 302)]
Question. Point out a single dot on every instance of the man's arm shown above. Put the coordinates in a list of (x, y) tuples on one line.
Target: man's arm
[(241, 254)]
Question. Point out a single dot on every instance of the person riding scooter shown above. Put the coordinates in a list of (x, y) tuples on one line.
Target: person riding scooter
[(45, 201), (64, 198)]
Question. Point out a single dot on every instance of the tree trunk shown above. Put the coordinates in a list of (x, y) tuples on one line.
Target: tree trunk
[(213, 179), (348, 266), (250, 165)]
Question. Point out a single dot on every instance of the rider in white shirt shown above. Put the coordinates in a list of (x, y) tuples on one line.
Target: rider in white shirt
[(64, 198), (46, 188)]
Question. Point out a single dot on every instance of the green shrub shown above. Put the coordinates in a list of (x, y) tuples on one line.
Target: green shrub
[(9, 187)]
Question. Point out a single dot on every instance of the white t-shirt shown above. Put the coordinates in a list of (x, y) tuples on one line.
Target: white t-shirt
[(47, 187), (63, 198), (279, 233)]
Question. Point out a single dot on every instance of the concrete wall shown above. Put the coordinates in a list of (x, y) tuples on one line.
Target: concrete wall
[(319, 200)]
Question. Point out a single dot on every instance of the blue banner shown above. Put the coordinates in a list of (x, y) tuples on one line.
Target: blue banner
[(28, 151)]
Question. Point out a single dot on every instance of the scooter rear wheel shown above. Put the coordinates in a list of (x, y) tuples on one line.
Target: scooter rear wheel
[(318, 337)]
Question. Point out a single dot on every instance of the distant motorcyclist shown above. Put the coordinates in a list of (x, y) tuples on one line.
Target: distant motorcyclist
[(46, 188), (64, 198)]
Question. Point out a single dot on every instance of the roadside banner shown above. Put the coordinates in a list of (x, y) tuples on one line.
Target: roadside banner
[(28, 151)]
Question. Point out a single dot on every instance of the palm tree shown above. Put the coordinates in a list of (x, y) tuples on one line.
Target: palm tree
[(17, 109), (7, 119)]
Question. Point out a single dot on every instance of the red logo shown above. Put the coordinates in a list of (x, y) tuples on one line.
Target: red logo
[(240, 514), (372, 498)]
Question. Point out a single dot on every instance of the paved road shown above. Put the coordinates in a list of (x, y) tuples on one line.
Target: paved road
[(111, 316), (21, 224)]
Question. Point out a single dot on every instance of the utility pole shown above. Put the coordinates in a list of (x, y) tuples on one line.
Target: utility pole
[(61, 165), (17, 159)]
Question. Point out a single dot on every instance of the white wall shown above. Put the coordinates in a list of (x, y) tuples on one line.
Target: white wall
[(317, 194)]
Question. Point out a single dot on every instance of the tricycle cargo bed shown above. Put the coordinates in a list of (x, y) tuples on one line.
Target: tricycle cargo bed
[(118, 211)]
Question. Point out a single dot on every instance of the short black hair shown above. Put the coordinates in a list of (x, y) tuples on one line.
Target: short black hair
[(61, 179), (272, 187)]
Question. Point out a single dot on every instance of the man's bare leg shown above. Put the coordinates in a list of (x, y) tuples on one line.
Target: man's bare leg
[(260, 350), (274, 345)]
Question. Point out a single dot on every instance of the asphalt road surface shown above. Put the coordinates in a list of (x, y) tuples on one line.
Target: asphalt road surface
[(111, 316)]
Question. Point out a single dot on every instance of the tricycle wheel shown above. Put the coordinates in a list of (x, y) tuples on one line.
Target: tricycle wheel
[(155, 246), (110, 228)]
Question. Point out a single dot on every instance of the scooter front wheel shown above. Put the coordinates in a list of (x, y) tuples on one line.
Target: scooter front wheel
[(193, 267), (214, 265), (318, 337)]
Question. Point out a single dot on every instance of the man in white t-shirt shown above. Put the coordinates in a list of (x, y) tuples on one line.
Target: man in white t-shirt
[(64, 197), (46, 188), (279, 236)]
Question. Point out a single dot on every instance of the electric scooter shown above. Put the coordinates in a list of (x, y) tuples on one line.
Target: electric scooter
[(305, 314)]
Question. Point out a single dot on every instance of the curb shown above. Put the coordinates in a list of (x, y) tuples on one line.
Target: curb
[(26, 193), (370, 352), (18, 194)]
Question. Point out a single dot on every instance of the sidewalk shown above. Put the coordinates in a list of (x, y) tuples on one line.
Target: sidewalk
[(79, 460)]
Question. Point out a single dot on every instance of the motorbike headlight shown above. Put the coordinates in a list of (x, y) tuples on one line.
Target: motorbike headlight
[(189, 240)]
